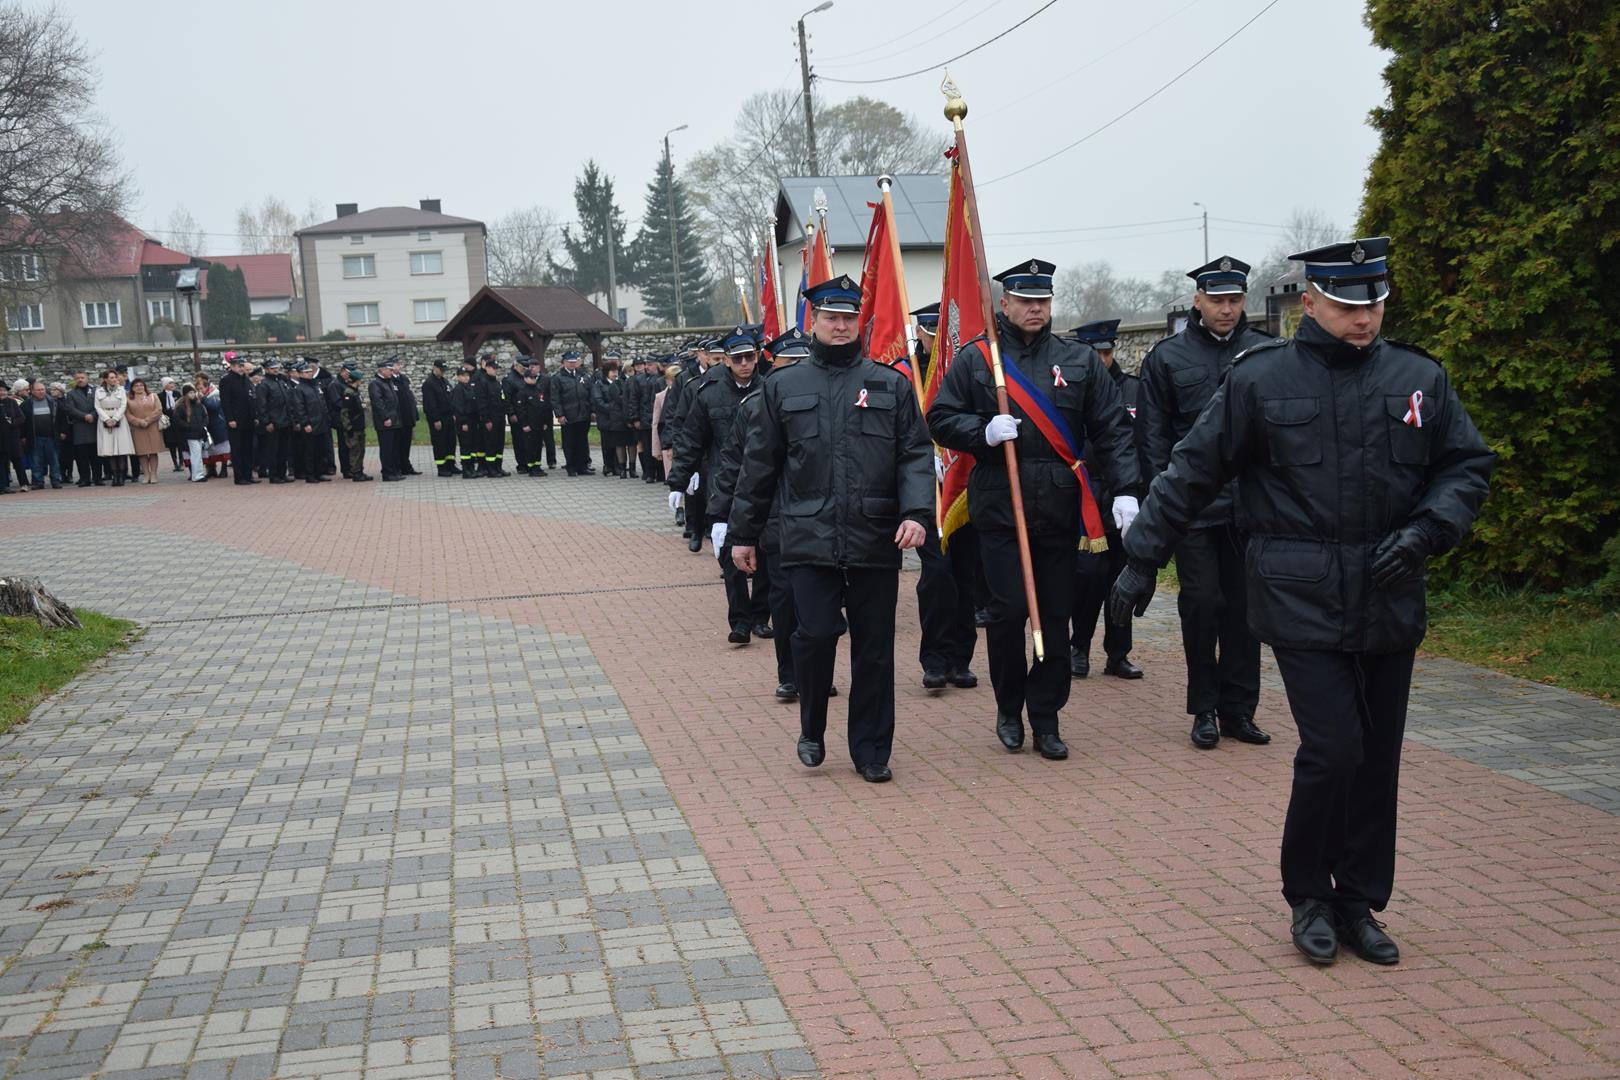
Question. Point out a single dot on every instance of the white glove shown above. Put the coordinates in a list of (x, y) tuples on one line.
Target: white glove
[(1125, 510), (939, 468), (674, 501), (717, 536), (1001, 428), (692, 484)]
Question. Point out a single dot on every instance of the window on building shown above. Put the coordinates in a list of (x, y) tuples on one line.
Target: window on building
[(427, 262), (99, 314), (430, 311), (19, 268), (25, 317), (160, 309), (358, 266), (364, 315), (425, 234), (357, 239)]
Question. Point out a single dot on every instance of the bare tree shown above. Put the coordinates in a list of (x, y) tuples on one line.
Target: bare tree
[(1304, 229), (269, 231), (1094, 291), (63, 191), (185, 233), (523, 245)]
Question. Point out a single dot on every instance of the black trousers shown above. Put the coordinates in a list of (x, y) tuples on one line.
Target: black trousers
[(336, 435), (388, 447), (317, 453), (494, 439), (643, 440), (1094, 574), (273, 452), (779, 594), (548, 438), (1223, 655), (1041, 687), (243, 457), (945, 601), (444, 443), (297, 448), (89, 465), (697, 507), (821, 596), (746, 607), (472, 447), (1338, 840), (576, 446)]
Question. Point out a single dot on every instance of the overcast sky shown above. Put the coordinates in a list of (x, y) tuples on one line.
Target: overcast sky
[(493, 106)]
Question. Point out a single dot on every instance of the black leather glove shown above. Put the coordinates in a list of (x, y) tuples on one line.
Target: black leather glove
[(1133, 589), (1401, 554)]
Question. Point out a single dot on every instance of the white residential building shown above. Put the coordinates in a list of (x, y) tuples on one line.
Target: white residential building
[(392, 271)]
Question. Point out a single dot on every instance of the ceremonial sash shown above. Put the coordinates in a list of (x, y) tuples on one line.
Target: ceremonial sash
[(1040, 411)]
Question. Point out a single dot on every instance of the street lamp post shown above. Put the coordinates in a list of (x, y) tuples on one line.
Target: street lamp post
[(804, 72), (674, 244), (1206, 227)]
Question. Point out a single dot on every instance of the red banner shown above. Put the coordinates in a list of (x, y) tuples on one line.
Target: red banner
[(882, 325), (821, 259), (961, 319), (768, 315)]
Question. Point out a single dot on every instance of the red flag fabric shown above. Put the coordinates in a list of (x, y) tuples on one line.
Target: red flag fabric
[(768, 313), (961, 319), (881, 328), (821, 259)]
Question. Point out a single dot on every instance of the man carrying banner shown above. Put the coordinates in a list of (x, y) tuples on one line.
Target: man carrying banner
[(1064, 407), (843, 439)]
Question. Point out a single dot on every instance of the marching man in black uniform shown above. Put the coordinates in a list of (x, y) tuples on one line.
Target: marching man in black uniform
[(441, 419), (1179, 376), (464, 410), (709, 428), (383, 395), (1356, 463), (272, 411), (841, 440), (571, 405), (492, 417), (1095, 571), (1066, 379)]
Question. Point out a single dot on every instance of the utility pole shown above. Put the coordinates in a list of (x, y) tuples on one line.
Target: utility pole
[(1206, 229), (674, 244), (814, 162), (613, 281)]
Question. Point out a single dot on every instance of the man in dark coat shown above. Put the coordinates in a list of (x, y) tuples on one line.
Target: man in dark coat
[(511, 384), (842, 439), (441, 419), (1356, 463), (1066, 379), (1095, 571), (314, 423), (80, 404), (491, 416), (386, 417), (272, 411), (469, 429), (236, 402), (324, 382), (1179, 376), (352, 421), (408, 415), (571, 405)]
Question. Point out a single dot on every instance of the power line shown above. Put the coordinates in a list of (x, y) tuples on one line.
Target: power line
[(1090, 63), (951, 60), (925, 41), (1098, 131), (766, 145), (1097, 228)]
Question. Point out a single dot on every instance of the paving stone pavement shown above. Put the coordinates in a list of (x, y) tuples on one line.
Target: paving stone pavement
[(561, 833)]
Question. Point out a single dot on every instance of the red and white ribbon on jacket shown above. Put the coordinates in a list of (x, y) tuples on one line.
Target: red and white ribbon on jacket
[(860, 402), (1057, 376), (1414, 410)]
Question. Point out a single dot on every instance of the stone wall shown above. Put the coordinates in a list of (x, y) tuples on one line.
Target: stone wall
[(157, 361)]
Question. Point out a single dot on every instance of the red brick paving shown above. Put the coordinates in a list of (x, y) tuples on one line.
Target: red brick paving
[(997, 915)]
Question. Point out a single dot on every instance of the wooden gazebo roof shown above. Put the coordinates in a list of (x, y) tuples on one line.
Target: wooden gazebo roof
[(531, 315)]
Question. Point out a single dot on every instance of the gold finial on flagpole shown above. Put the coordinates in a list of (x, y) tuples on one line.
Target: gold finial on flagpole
[(955, 107)]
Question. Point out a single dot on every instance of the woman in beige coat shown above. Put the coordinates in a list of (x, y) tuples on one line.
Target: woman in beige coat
[(113, 441), (143, 411)]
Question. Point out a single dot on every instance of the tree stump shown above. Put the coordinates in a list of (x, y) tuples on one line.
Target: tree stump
[(28, 596)]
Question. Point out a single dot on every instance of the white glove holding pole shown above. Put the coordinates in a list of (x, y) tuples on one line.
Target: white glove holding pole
[(674, 501), (1125, 511), (717, 537), (692, 484), (1001, 428)]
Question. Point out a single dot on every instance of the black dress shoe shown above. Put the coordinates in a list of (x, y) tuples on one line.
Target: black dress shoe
[(387, 479), (1240, 726), (875, 774), (695, 544), (963, 679), (787, 692), (1315, 931), (361, 478), (934, 680), (1079, 665), (738, 635), (1367, 939), (763, 630), (1051, 747), (680, 513), (1122, 669), (1010, 730), (1205, 734), (812, 753)]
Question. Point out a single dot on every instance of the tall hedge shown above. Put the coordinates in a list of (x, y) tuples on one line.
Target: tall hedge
[(227, 312), (1498, 177)]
